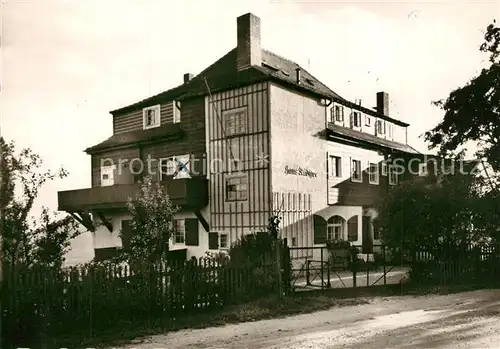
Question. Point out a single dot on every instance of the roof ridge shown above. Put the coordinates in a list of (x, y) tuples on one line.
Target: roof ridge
[(279, 56)]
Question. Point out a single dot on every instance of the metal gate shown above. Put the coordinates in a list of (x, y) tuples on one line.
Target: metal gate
[(310, 270), (317, 268)]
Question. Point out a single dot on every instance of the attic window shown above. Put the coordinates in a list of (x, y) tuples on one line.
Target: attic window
[(151, 117), (270, 66), (310, 81)]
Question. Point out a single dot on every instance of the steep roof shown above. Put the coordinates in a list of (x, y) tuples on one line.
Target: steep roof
[(223, 75), (137, 137), (349, 134)]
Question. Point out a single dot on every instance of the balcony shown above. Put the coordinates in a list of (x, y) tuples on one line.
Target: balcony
[(188, 193)]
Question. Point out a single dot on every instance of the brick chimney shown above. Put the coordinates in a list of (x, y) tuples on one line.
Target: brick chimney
[(383, 103), (248, 50), (188, 77)]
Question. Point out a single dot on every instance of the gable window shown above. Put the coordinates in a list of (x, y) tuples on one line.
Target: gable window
[(107, 175), (373, 174), (235, 121), (335, 228), (356, 171), (237, 188), (176, 118), (393, 176), (390, 129), (179, 231), (368, 120), (380, 127), (223, 241), (151, 117), (355, 119), (335, 166)]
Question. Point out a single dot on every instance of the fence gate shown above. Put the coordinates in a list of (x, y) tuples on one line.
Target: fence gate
[(310, 268)]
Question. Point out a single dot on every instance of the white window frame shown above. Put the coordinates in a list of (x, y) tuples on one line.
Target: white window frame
[(335, 166), (379, 129), (423, 170), (393, 176), (169, 165), (338, 111), (241, 178), (110, 171), (376, 178), (235, 121), (176, 117), (179, 232), (384, 168), (157, 120), (226, 235), (331, 231), (358, 163)]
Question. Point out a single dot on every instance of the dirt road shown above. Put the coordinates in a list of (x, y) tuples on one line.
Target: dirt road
[(465, 320)]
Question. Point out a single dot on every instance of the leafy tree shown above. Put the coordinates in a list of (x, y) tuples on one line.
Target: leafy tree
[(472, 112), (44, 240), (152, 223), (420, 215)]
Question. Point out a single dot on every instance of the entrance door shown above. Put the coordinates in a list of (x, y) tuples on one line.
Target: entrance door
[(367, 236)]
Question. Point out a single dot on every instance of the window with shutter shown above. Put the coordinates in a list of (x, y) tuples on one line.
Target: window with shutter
[(334, 166), (179, 231), (192, 233), (151, 117), (213, 241), (356, 175), (224, 241)]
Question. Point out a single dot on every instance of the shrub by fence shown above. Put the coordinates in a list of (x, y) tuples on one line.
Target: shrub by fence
[(95, 298)]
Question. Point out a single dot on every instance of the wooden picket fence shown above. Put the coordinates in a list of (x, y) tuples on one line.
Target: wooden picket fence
[(94, 298)]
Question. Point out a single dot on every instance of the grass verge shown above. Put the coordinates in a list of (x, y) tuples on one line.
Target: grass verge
[(257, 310), (298, 303)]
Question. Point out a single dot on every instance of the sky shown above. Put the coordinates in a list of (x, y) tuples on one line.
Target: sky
[(67, 63)]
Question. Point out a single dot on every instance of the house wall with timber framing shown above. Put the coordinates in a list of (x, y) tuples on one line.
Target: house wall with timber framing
[(238, 130)]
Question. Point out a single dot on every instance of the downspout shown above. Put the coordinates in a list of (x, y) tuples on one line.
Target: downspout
[(330, 101)]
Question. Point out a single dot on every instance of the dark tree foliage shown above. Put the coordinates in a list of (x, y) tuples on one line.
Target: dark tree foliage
[(416, 214), (472, 112)]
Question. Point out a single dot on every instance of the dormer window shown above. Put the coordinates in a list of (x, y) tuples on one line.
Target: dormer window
[(176, 112), (151, 117), (355, 119), (380, 127), (337, 114)]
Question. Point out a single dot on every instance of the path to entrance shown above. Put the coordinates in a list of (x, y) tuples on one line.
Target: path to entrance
[(465, 320)]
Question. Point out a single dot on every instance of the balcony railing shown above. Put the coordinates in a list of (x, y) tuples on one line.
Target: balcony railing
[(186, 192)]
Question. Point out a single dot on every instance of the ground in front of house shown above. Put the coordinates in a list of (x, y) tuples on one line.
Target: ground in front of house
[(463, 320)]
